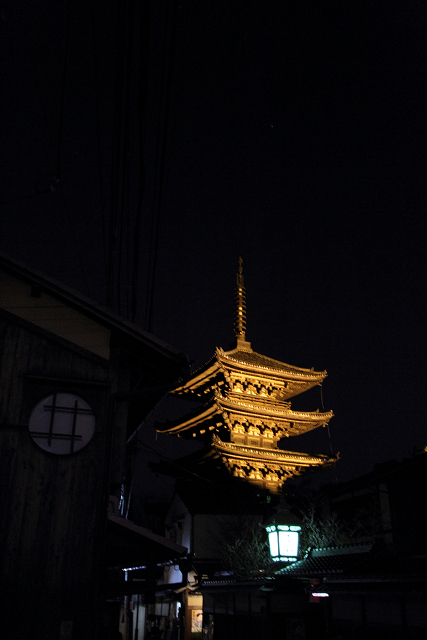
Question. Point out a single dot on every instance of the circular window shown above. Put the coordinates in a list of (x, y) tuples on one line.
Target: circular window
[(62, 423)]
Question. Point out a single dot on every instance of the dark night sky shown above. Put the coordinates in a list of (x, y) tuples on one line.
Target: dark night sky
[(293, 134)]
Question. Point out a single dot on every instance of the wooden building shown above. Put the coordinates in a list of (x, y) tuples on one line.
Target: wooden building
[(246, 410), (228, 487), (76, 381), (374, 586)]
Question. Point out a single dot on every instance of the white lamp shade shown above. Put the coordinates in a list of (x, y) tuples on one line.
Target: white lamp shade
[(284, 542)]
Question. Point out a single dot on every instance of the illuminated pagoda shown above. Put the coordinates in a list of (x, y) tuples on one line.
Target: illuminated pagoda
[(246, 410)]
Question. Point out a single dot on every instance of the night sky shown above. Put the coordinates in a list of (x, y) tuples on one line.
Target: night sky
[(290, 133)]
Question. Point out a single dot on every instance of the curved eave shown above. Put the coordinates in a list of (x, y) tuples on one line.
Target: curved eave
[(274, 412), (212, 414), (273, 456), (191, 422), (221, 363), (277, 369), (203, 377)]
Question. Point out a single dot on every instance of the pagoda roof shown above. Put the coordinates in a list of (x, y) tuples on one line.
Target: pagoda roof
[(246, 356), (267, 468), (254, 466), (244, 360), (270, 457), (218, 409)]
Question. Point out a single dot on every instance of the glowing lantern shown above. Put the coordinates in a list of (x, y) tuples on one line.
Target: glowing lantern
[(283, 538)]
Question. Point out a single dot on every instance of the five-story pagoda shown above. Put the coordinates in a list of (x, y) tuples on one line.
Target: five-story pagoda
[(246, 410)]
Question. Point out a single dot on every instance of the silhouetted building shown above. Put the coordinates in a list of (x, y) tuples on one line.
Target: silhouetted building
[(228, 487), (76, 381), (247, 411), (374, 587)]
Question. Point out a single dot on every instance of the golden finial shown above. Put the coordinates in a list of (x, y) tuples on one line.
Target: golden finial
[(240, 307)]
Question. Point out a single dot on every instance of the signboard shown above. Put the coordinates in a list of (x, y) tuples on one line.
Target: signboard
[(196, 620)]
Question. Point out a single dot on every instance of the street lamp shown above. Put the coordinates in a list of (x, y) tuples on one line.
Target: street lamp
[(283, 531), (284, 542)]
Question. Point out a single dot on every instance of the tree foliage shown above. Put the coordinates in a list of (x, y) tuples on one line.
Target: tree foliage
[(249, 557), (320, 533), (244, 548)]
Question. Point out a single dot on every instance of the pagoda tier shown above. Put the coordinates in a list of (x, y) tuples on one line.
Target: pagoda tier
[(246, 371), (246, 410), (225, 463), (268, 469), (247, 422)]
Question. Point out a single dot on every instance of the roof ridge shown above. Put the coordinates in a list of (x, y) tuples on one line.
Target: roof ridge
[(345, 549), (229, 356), (84, 304)]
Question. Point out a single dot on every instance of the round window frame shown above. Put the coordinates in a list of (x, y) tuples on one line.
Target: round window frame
[(58, 422)]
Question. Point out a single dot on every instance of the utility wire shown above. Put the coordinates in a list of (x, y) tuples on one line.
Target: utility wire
[(120, 224), (60, 144), (98, 141), (56, 182), (115, 215), (142, 106), (23, 198), (63, 92), (79, 258), (124, 219), (161, 157), (329, 431)]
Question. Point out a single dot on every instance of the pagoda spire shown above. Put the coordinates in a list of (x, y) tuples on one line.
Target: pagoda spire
[(240, 309), (246, 414), (246, 411)]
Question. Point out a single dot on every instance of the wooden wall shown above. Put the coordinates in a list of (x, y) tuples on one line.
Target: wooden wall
[(53, 508)]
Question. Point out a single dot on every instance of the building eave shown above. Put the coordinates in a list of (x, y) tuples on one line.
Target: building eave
[(271, 367), (88, 307), (215, 413), (273, 456)]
